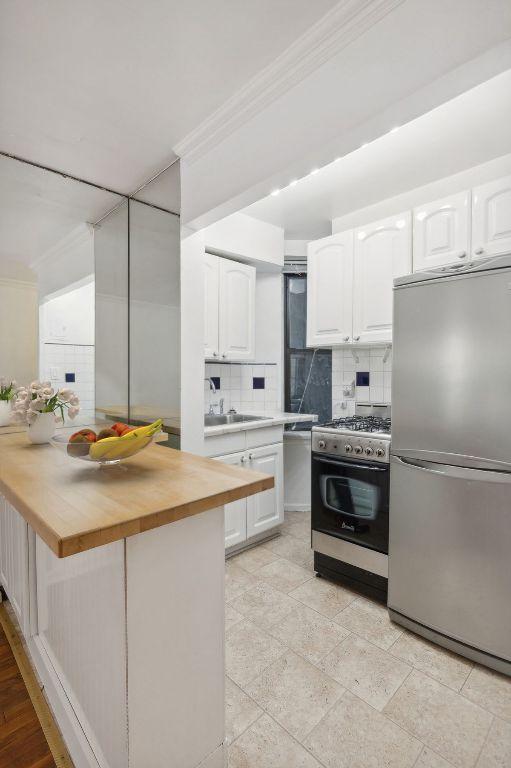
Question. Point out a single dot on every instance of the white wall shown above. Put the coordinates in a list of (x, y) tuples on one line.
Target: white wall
[(18, 330), (68, 318), (458, 182), (67, 343)]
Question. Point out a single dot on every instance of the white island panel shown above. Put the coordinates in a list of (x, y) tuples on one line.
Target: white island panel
[(81, 622)]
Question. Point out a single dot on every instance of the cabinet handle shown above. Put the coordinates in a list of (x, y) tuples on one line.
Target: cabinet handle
[(224, 355), (243, 459), (479, 251), (356, 338), (250, 456), (215, 354), (345, 338), (462, 255)]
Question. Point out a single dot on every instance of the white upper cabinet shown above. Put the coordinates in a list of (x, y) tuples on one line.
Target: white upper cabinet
[(491, 218), (330, 290), (237, 310), (441, 232), (229, 309), (383, 251), (211, 284)]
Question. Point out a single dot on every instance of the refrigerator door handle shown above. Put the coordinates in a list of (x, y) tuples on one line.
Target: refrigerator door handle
[(460, 473)]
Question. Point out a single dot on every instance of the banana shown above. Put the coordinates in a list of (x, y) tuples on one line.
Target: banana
[(121, 447)]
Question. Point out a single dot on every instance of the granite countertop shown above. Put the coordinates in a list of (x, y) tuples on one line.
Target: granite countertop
[(271, 419)]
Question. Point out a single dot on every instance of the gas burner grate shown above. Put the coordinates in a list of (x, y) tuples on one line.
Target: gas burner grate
[(361, 424)]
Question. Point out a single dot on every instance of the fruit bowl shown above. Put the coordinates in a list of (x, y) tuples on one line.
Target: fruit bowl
[(110, 449)]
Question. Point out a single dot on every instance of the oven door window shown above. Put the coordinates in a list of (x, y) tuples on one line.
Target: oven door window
[(354, 498), (350, 500)]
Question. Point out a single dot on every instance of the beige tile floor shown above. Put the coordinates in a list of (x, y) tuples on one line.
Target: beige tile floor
[(318, 676)]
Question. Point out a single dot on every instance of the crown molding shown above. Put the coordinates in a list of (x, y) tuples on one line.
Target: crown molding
[(326, 38), (79, 235), (22, 285)]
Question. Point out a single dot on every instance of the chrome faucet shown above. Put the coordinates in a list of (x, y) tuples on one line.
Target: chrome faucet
[(211, 384), (221, 406)]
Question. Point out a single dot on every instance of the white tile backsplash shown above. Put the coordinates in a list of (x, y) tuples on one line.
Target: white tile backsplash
[(59, 359), (344, 368), (236, 386)]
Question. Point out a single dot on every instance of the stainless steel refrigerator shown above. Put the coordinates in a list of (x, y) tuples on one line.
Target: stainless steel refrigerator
[(450, 484)]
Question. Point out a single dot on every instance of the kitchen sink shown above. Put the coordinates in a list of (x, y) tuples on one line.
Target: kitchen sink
[(214, 420)]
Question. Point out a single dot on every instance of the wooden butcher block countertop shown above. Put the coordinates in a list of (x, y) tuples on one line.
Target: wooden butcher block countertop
[(74, 506)]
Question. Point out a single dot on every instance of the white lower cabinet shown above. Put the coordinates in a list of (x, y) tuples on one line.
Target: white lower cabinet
[(259, 513), (14, 560), (266, 510), (236, 512)]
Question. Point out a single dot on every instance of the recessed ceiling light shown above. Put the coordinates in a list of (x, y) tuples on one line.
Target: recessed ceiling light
[(364, 144), (314, 170), (337, 159), (275, 192), (394, 129), (292, 183)]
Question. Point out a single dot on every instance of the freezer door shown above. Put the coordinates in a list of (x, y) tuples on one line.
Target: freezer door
[(449, 551), (451, 378)]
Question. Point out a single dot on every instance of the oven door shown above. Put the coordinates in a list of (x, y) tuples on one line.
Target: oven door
[(351, 501)]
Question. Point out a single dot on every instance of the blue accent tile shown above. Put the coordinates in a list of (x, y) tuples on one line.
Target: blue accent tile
[(216, 381), (70, 378), (362, 378), (258, 382)]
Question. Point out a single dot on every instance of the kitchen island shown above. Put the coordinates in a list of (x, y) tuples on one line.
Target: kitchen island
[(116, 577)]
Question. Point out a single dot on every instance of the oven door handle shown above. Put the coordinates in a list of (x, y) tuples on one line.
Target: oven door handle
[(351, 464)]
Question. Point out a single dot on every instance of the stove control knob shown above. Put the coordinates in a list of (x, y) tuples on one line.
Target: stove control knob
[(369, 451), (358, 449), (321, 444), (380, 452), (348, 448)]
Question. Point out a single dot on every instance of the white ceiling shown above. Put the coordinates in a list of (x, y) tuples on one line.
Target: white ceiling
[(463, 132), (105, 90)]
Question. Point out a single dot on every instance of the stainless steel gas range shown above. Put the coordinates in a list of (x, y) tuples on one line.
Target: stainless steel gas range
[(350, 499)]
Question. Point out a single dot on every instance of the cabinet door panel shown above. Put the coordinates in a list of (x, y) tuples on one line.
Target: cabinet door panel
[(237, 310), (236, 511), (14, 560), (382, 253), (441, 232), (266, 510), (330, 290), (491, 218), (211, 270)]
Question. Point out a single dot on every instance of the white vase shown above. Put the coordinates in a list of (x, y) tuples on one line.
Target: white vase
[(5, 413), (42, 429)]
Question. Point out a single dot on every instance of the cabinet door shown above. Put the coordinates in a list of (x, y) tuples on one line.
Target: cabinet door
[(441, 232), (14, 560), (491, 218), (266, 510), (382, 253), (237, 310), (236, 511), (211, 284), (330, 290)]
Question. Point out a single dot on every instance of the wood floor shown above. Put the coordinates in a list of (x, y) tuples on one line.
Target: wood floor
[(22, 741)]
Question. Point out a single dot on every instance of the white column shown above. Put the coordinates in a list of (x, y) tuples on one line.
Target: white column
[(175, 644)]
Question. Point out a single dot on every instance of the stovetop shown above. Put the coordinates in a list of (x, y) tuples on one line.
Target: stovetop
[(367, 424)]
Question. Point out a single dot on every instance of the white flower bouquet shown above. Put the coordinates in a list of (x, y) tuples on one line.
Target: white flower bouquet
[(40, 397)]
